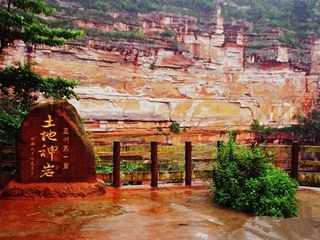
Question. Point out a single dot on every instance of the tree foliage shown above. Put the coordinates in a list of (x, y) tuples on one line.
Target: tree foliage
[(261, 132), (199, 8), (20, 87), (296, 18), (307, 130), (134, 34), (21, 20), (245, 181)]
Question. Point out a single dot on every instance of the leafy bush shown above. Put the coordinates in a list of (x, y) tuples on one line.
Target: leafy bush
[(135, 34), (167, 34), (289, 38), (175, 127), (261, 132), (10, 122), (178, 46), (246, 181)]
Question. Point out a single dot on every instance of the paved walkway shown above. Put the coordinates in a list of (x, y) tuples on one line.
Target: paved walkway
[(169, 212)]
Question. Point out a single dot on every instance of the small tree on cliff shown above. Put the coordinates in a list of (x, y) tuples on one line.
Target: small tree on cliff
[(21, 20)]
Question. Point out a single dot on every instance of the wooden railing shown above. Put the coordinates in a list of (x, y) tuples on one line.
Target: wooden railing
[(179, 162), (291, 158)]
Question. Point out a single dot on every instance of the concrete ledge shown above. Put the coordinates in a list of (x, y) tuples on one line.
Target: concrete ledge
[(309, 179)]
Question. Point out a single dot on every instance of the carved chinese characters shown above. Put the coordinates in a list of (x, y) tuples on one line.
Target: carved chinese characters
[(52, 146), (49, 148)]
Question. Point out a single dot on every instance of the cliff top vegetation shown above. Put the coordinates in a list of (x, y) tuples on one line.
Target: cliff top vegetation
[(276, 13)]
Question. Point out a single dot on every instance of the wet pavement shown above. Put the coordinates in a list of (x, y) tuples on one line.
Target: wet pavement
[(143, 213)]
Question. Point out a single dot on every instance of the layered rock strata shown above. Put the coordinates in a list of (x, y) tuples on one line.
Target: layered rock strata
[(221, 79)]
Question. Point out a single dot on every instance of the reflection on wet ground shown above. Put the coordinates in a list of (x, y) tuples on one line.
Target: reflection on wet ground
[(165, 213)]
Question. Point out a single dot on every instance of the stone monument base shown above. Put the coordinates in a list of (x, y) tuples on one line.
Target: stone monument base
[(52, 190)]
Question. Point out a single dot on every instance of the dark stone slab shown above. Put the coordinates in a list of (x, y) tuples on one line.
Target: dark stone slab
[(53, 147)]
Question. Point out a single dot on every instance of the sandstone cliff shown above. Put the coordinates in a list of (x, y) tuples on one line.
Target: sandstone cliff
[(208, 80)]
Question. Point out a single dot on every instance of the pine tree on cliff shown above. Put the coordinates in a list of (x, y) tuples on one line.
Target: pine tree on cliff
[(21, 20)]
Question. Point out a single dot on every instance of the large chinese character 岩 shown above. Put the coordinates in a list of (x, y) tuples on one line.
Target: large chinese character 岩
[(47, 170)]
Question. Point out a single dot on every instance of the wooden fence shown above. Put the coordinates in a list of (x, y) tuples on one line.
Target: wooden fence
[(180, 163), (295, 159)]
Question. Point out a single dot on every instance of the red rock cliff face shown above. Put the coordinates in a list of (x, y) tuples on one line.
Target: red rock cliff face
[(217, 82)]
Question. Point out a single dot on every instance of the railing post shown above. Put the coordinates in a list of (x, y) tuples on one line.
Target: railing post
[(295, 159), (154, 164), (218, 145), (116, 164), (1, 167), (188, 163)]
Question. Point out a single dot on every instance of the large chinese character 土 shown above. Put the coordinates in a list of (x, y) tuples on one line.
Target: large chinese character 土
[(49, 122), (47, 170)]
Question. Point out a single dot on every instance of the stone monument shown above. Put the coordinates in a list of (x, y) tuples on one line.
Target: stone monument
[(54, 155)]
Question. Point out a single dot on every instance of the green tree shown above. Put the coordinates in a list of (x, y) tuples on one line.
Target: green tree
[(301, 11), (261, 132), (307, 130), (21, 20), (295, 18), (20, 86)]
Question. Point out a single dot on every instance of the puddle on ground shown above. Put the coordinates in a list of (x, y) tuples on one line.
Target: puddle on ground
[(265, 228), (72, 211), (165, 213), (305, 226)]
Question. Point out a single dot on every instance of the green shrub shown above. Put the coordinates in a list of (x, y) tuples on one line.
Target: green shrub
[(167, 34), (175, 127), (10, 122), (289, 38), (245, 181), (135, 34), (261, 132), (178, 46)]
